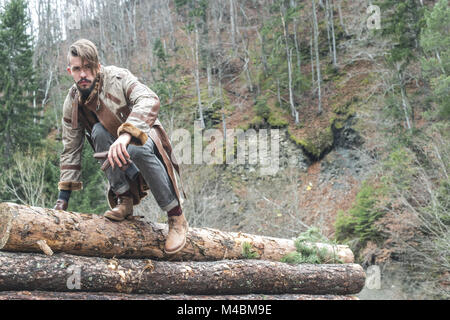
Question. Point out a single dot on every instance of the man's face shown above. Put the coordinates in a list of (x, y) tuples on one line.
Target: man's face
[(82, 74)]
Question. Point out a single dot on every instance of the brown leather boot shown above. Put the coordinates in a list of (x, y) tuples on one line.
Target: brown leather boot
[(123, 209), (61, 204), (176, 239)]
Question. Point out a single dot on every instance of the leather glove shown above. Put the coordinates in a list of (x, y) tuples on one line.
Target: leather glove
[(61, 204)]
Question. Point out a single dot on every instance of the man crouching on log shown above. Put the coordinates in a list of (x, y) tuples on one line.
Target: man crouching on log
[(119, 116)]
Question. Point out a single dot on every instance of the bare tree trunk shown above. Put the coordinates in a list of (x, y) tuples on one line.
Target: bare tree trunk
[(149, 29), (246, 65), (341, 19), (197, 77), (278, 92), (233, 26), (26, 185), (311, 54), (297, 47), (130, 9), (333, 34), (224, 126), (209, 76), (438, 57), (263, 53), (62, 272), (293, 4), (47, 88), (57, 118), (171, 28), (405, 103), (316, 46), (330, 23), (294, 111), (406, 108), (327, 18), (101, 25), (291, 90)]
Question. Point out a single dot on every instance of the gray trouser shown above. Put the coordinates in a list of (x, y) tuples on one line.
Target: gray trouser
[(149, 164)]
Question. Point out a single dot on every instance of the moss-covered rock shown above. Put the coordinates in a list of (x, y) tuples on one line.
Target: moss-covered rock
[(277, 121), (262, 107), (212, 106), (343, 112), (256, 123), (317, 143), (337, 123), (267, 114), (347, 107)]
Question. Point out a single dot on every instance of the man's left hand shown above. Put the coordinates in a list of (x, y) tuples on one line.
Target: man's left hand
[(118, 151)]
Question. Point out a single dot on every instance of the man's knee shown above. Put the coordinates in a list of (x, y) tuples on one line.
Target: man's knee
[(97, 130), (137, 152), (100, 133), (101, 137)]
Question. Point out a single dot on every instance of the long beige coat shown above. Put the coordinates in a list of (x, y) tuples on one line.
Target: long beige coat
[(122, 104)]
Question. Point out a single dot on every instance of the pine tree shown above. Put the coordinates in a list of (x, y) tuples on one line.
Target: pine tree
[(18, 125), (435, 41), (196, 13), (403, 20), (166, 84), (93, 196)]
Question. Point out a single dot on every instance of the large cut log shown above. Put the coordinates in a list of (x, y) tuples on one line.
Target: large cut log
[(46, 295), (21, 227), (63, 272)]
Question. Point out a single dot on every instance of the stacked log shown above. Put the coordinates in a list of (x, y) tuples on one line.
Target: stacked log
[(127, 258), (45, 295), (21, 227)]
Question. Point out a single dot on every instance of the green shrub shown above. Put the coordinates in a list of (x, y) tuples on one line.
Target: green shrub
[(256, 123), (92, 198), (262, 108), (307, 253), (275, 121), (359, 221), (248, 252)]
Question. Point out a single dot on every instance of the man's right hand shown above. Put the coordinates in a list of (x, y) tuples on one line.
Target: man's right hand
[(61, 204), (118, 153)]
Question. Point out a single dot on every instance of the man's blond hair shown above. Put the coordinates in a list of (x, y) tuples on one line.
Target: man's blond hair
[(86, 50)]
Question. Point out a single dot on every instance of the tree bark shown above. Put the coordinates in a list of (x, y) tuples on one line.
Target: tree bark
[(409, 121), (330, 11), (313, 81), (47, 295), (327, 18), (296, 42), (63, 272), (93, 235), (316, 47), (197, 76), (341, 19), (294, 111), (233, 27)]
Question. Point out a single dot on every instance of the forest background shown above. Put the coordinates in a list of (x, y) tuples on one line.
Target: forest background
[(358, 89)]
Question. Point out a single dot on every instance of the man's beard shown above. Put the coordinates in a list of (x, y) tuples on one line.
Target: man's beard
[(85, 92)]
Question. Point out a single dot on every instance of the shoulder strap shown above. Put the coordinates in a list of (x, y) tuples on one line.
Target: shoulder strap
[(74, 108)]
